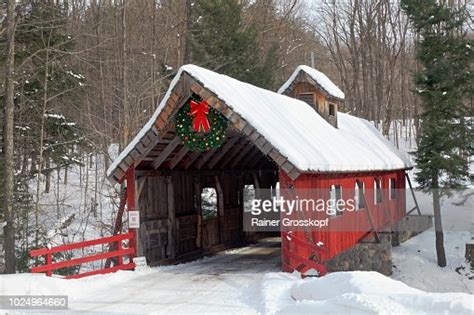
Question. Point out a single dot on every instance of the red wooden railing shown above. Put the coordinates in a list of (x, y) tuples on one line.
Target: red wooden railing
[(314, 261), (49, 267)]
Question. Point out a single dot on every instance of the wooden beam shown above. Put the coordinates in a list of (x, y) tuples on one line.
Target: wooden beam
[(234, 152), (257, 161), (162, 121), (197, 193), (141, 184), (369, 214), (262, 162), (220, 209), (131, 206), (230, 143), (184, 150), (242, 154), (256, 181), (166, 152), (178, 172), (171, 250), (294, 174), (191, 159), (220, 196), (139, 241), (206, 157), (386, 210), (412, 194), (250, 157)]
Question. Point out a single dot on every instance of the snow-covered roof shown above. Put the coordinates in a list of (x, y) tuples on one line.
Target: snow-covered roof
[(319, 77), (300, 134)]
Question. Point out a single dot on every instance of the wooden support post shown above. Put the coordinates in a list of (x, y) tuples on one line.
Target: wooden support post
[(256, 185), (120, 247), (220, 209), (369, 214), (171, 250), (141, 185), (131, 205), (198, 205), (240, 185), (413, 194), (49, 261), (140, 236), (386, 210)]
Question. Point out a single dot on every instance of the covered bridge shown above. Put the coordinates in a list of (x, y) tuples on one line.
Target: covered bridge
[(212, 131)]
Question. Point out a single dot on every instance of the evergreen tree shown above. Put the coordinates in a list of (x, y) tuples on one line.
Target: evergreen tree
[(443, 83), (45, 84), (220, 42), (43, 47)]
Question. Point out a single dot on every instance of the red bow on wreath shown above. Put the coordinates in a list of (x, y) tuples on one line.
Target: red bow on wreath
[(199, 112)]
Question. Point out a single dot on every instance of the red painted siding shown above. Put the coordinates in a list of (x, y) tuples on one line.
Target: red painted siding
[(349, 228)]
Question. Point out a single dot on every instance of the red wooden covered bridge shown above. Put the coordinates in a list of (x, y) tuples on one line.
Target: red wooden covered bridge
[(295, 137), (211, 136)]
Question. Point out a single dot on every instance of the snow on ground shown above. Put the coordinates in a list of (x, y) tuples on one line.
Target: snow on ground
[(415, 260), (370, 293), (415, 263), (247, 280), (88, 196), (228, 283), (84, 208), (243, 281)]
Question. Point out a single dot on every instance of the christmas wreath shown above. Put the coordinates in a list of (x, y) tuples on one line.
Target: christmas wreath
[(199, 126)]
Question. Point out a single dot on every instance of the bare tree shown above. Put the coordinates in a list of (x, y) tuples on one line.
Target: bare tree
[(371, 46), (8, 145)]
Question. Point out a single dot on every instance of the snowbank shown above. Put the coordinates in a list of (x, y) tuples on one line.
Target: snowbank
[(369, 293), (190, 289)]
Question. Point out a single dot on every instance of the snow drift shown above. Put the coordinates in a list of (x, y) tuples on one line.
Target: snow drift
[(361, 292), (240, 292)]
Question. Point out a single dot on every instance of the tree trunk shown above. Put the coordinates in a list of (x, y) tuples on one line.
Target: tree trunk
[(186, 53), (41, 143), (47, 174), (438, 225), (9, 229), (126, 123), (58, 205)]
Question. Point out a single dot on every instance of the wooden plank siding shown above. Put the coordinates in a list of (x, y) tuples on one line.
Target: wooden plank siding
[(349, 228), (187, 233)]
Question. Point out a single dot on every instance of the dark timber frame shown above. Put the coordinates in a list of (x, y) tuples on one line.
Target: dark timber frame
[(159, 142), (169, 180)]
